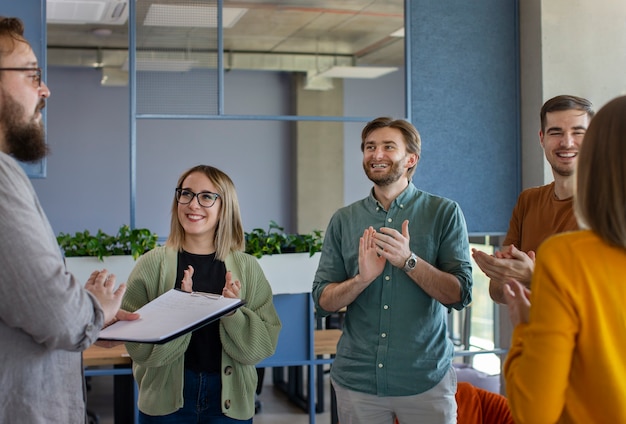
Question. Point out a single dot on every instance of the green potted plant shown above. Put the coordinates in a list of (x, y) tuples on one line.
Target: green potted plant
[(261, 242), (127, 241), (289, 261), (85, 252)]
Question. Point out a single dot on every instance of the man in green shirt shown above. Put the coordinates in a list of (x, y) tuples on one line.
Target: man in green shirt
[(398, 260)]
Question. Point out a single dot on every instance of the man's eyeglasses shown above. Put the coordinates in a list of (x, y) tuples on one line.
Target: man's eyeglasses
[(206, 199), (36, 77)]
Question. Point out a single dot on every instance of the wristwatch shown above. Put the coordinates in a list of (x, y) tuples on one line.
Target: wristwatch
[(410, 263)]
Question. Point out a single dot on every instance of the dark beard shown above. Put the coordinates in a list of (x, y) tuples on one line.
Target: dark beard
[(25, 141), (395, 173)]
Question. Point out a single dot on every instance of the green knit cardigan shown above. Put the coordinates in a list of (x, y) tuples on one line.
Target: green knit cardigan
[(248, 336)]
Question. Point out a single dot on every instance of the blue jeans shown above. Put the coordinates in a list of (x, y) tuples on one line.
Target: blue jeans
[(202, 403)]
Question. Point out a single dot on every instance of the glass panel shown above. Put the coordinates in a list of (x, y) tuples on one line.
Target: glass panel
[(482, 333), (316, 48), (176, 58)]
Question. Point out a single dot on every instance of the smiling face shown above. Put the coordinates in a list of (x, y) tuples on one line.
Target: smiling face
[(21, 101), (385, 158), (564, 132), (199, 223)]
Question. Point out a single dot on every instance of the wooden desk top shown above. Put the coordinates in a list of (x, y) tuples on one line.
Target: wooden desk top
[(326, 341), (96, 355)]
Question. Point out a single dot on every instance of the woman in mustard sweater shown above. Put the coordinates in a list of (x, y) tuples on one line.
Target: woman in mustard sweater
[(209, 375), (567, 362)]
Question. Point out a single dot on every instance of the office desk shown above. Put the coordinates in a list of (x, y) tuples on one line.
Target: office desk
[(99, 361), (99, 356)]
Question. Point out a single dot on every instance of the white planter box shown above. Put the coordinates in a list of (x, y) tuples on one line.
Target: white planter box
[(290, 272), (83, 266), (286, 272)]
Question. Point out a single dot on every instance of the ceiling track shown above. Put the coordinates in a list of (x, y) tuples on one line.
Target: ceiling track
[(112, 58)]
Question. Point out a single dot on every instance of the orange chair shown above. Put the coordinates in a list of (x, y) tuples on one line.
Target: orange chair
[(480, 406)]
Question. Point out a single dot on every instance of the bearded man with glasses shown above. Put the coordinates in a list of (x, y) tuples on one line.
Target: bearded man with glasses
[(47, 317)]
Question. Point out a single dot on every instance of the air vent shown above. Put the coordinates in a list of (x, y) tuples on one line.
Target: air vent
[(112, 12)]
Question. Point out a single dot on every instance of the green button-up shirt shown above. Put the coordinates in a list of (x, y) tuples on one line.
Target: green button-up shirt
[(395, 340)]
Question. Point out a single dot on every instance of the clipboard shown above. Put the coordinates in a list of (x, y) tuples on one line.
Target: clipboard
[(171, 315)]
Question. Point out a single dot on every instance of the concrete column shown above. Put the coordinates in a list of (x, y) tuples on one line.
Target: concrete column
[(319, 155)]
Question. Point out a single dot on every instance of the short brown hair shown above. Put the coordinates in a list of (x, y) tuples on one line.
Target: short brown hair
[(411, 136), (11, 31), (564, 102), (600, 199), (229, 234)]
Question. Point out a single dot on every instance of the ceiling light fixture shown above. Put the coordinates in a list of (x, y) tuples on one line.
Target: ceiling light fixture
[(79, 12), (399, 33), (368, 72)]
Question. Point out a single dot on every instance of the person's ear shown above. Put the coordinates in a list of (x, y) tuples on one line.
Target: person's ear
[(412, 160)]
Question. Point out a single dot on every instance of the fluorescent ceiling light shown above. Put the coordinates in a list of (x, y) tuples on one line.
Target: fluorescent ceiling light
[(168, 15), (357, 71), (399, 33)]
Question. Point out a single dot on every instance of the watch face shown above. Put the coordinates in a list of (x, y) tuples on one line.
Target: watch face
[(410, 263)]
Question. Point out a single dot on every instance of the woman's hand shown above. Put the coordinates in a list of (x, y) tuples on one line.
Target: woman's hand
[(517, 297), (231, 288), (187, 282)]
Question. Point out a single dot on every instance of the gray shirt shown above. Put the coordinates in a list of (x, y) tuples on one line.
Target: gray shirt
[(46, 317)]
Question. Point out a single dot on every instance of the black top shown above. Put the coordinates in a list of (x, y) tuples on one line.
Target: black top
[(204, 353)]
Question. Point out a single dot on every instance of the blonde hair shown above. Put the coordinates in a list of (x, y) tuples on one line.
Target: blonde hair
[(600, 199), (229, 234)]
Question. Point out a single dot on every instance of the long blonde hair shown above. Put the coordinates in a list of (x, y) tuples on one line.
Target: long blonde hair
[(229, 234), (600, 199)]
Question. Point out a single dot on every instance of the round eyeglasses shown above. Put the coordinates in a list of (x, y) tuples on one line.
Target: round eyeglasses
[(36, 76), (206, 199)]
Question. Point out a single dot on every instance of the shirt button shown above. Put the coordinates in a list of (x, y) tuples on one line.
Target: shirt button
[(383, 335), (228, 370), (389, 220), (401, 206), (380, 365), (385, 306), (227, 404), (387, 277)]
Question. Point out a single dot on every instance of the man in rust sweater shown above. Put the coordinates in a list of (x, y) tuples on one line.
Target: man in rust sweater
[(541, 211)]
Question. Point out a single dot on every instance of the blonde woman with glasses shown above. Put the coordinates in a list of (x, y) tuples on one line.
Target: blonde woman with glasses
[(209, 375)]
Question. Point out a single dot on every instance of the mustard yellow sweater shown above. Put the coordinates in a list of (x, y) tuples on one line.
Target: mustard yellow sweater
[(568, 364)]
